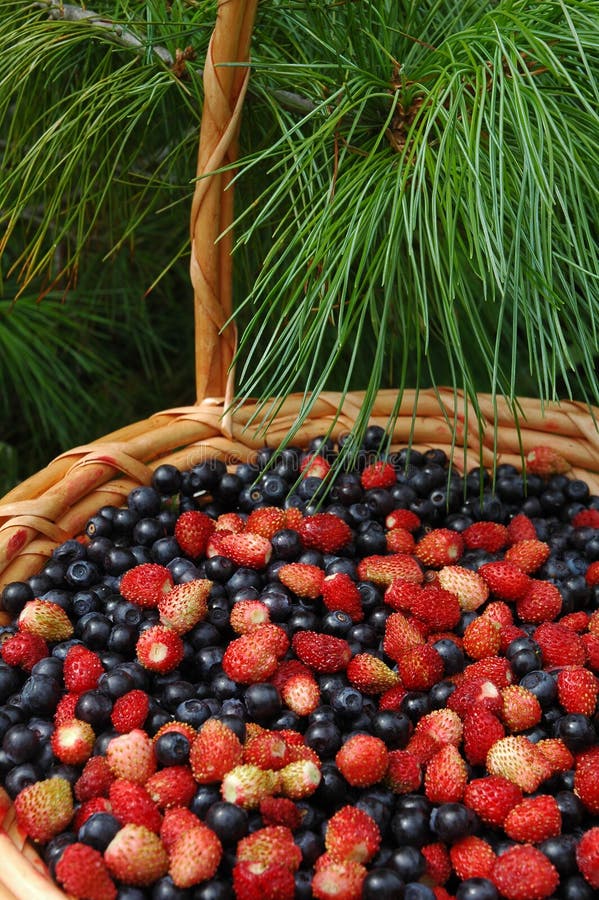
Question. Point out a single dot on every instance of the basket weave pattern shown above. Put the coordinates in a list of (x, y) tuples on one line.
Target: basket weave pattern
[(55, 503)]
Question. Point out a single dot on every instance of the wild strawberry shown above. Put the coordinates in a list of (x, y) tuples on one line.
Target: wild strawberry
[(489, 536), (249, 659), (470, 589), (440, 547), (379, 474), (193, 530), (534, 819), (392, 697), (23, 650), (146, 584), (159, 648), (286, 669), (246, 785), (592, 574), (185, 605), (338, 880), (559, 646), (508, 634), (300, 778), (587, 856), (591, 648), (271, 844), (281, 811), (183, 728), (482, 638), (322, 652), (65, 708), (131, 756), (542, 602), (176, 821), (72, 742), (472, 857), (171, 786), (438, 608), (81, 669), (578, 621), (521, 709), (95, 780), (81, 871), (499, 612), (301, 694), (402, 518), (216, 750), (481, 730), (44, 808), (577, 690), (586, 518), (260, 881), (383, 570), (420, 668), (195, 856), (232, 523), (521, 528), (130, 711), (265, 521), (136, 856), (132, 805), (586, 784), (352, 835), (303, 579), (404, 772), (546, 461), (445, 776), (400, 540), (400, 636), (423, 746), (370, 674), (493, 668), (88, 809), (362, 760), (339, 592), (437, 864), (479, 691), (524, 873), (492, 798), (444, 725), (505, 580), (528, 555), (516, 759), (249, 550), (247, 615), (557, 754), (267, 749), (314, 466), (46, 620), (325, 532)]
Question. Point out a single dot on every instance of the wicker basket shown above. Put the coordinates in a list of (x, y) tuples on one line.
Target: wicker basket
[(55, 504)]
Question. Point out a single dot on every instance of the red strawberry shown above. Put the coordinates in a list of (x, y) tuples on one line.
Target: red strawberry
[(352, 835), (362, 760), (247, 615), (301, 694), (314, 466), (379, 474), (325, 532), (267, 750), (482, 637), (265, 521), (505, 580), (479, 691), (195, 856), (216, 750), (131, 756), (131, 804), (146, 584), (516, 759), (136, 856), (400, 636), (420, 667), (300, 778), (400, 540), (171, 786), (472, 857), (541, 603), (322, 652), (438, 864), (404, 772), (586, 783), (559, 646), (438, 608), (578, 621), (587, 856), (470, 589), (557, 754), (303, 579), (272, 844), (384, 569), (577, 690), (339, 592), (402, 518), (95, 780), (281, 811), (492, 798), (81, 871), (481, 730), (493, 668), (423, 746), (524, 873), (44, 808), (65, 708), (440, 547), (591, 647), (259, 881), (45, 619), (130, 711), (159, 648), (592, 574), (446, 776), (250, 658), (249, 550), (545, 461), (534, 819), (521, 709), (444, 725), (232, 523), (391, 699), (499, 612), (186, 605), (183, 728), (586, 518), (24, 650), (177, 820), (247, 785), (489, 536), (81, 669), (72, 742), (193, 530), (528, 555), (521, 528), (337, 880), (370, 674)]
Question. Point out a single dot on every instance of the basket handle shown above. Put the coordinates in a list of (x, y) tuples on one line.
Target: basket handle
[(212, 205)]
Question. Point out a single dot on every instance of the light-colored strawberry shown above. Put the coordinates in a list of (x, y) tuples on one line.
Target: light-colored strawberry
[(546, 461), (444, 725), (185, 605), (46, 620), (515, 758), (44, 808), (301, 694), (383, 570), (299, 779), (136, 856), (521, 709), (131, 756), (470, 589), (370, 674), (247, 785)]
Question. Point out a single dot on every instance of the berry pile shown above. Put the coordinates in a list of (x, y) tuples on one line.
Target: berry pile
[(277, 683)]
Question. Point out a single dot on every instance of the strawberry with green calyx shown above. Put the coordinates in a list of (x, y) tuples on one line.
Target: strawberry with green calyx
[(146, 584), (46, 620), (44, 808), (136, 856)]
